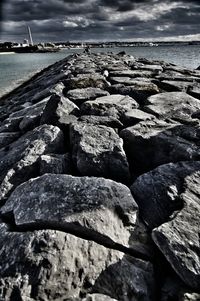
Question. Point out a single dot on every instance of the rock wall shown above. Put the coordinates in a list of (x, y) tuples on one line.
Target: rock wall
[(99, 182)]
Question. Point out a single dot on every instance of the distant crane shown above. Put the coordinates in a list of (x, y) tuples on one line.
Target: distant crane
[(30, 36)]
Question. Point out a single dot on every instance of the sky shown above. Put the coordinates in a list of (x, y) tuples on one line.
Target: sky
[(99, 20)]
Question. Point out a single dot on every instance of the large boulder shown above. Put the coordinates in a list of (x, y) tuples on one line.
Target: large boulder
[(86, 80), (157, 192), (51, 265), (78, 96), (175, 105), (94, 208), (58, 110), (178, 239), (19, 160), (151, 143), (98, 151), (112, 105)]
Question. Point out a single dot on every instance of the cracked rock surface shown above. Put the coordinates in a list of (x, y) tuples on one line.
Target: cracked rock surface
[(99, 182)]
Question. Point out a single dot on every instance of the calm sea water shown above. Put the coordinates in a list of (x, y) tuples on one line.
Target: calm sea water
[(16, 68)]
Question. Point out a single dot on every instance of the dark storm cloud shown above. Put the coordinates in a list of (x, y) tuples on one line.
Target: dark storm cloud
[(99, 19)]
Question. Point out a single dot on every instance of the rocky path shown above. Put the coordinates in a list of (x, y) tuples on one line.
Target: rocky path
[(100, 182)]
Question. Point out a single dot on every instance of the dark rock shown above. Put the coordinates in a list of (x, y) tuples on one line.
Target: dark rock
[(55, 163), (177, 76), (151, 143), (157, 192), (102, 120), (98, 151), (7, 138), (89, 207), (78, 96), (178, 239), (194, 90), (10, 125), (173, 85), (30, 110), (175, 105), (57, 111), (56, 89), (19, 162), (112, 105)]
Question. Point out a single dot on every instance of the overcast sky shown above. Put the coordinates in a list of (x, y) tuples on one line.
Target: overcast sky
[(91, 20)]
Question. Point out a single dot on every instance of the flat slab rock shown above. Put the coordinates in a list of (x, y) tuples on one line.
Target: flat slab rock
[(51, 265), (176, 105), (151, 143), (112, 105), (98, 151), (91, 207), (19, 161), (78, 96)]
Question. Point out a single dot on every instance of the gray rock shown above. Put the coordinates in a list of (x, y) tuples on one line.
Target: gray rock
[(98, 151), (112, 105), (35, 109), (7, 138), (194, 90), (19, 162), (176, 105), (178, 239), (173, 85), (78, 96), (89, 207), (177, 76), (132, 117), (151, 143), (157, 192), (102, 120), (55, 89), (10, 125), (51, 265), (86, 81), (189, 296), (56, 164), (57, 111), (152, 67), (138, 89)]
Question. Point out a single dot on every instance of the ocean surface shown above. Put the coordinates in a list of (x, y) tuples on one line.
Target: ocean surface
[(16, 68)]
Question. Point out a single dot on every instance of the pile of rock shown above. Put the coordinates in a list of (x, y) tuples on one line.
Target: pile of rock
[(99, 182)]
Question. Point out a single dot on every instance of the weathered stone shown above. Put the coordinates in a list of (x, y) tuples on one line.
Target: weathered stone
[(189, 296), (98, 151), (176, 105), (56, 164), (10, 125), (58, 110), (35, 109), (7, 138), (19, 162), (51, 265), (151, 143), (132, 117), (139, 90), (194, 90), (93, 208), (56, 89), (152, 67), (102, 120), (78, 96), (112, 105), (178, 239), (98, 297), (87, 80), (173, 85), (177, 76), (157, 192)]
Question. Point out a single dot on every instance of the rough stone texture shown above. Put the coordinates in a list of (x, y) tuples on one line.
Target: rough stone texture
[(78, 96), (132, 117), (55, 163), (102, 120), (98, 151), (19, 162), (138, 89), (113, 105), (93, 207), (51, 265), (176, 105), (7, 138), (151, 143), (57, 110), (86, 81), (161, 192)]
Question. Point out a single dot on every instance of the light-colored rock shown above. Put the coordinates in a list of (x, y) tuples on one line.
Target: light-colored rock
[(78, 96)]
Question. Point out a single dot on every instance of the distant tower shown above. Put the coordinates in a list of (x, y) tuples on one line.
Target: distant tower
[(30, 36)]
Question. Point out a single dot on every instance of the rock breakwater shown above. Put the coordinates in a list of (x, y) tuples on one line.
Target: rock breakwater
[(100, 182)]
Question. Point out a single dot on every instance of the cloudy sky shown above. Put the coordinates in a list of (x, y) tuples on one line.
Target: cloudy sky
[(100, 20)]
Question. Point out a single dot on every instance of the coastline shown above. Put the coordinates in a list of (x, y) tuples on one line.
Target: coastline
[(99, 184)]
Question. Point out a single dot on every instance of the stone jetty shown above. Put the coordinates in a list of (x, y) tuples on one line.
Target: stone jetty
[(100, 182)]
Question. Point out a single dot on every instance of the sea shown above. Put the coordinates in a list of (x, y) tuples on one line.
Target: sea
[(19, 67)]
